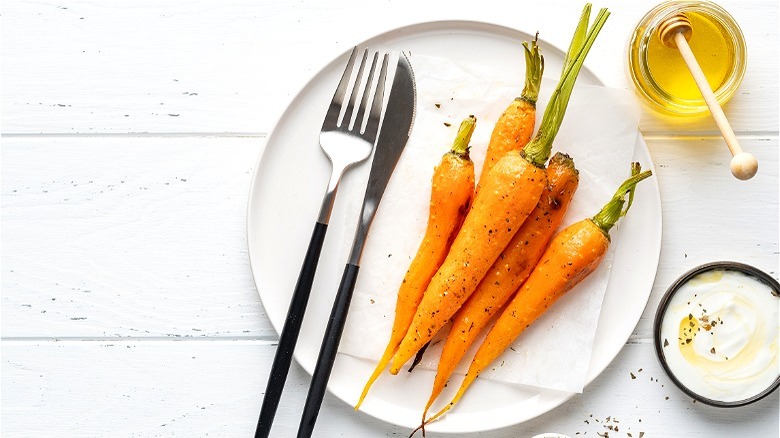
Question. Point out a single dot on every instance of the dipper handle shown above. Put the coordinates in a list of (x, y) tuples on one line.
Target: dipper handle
[(675, 32)]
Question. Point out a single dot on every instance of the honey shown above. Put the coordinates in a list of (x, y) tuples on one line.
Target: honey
[(659, 72), (714, 53)]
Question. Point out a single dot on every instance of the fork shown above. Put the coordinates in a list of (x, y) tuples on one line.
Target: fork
[(345, 142)]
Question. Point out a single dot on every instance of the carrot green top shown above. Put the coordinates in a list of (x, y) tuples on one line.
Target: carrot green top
[(613, 210), (461, 145), (534, 67), (537, 151)]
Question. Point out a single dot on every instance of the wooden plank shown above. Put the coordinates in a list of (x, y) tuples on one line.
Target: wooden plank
[(214, 388), (196, 66), (146, 236), (140, 237)]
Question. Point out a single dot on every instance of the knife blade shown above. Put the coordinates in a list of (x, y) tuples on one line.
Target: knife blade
[(393, 136)]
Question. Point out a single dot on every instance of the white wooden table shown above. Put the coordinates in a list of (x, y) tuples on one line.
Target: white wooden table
[(130, 130)]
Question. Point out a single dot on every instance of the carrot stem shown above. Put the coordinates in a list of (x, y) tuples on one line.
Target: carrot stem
[(460, 146), (578, 39), (538, 150), (613, 210), (534, 67)]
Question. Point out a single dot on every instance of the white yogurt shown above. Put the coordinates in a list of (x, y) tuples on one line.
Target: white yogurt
[(720, 335)]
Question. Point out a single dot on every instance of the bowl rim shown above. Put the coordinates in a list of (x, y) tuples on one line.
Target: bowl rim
[(664, 304)]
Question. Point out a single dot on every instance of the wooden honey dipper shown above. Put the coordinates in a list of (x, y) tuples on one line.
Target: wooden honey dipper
[(675, 32)]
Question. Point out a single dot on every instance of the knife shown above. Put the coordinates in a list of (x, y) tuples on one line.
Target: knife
[(396, 126)]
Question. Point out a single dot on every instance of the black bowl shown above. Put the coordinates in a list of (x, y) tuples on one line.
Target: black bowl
[(727, 266)]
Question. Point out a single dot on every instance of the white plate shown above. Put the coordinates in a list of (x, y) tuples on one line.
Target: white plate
[(285, 197)]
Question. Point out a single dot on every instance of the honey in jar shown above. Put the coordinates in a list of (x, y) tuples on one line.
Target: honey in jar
[(659, 72)]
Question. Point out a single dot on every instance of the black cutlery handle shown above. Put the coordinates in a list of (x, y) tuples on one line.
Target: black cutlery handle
[(289, 336), (330, 344)]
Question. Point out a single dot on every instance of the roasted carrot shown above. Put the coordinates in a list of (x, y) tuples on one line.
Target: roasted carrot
[(507, 197), (572, 255), (452, 190), (515, 127), (519, 258), (510, 269), (508, 194)]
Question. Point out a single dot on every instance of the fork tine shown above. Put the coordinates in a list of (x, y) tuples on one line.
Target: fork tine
[(366, 95), (338, 97), (347, 120), (372, 126)]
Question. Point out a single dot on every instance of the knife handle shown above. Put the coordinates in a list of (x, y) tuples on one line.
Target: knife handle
[(327, 355), (289, 335)]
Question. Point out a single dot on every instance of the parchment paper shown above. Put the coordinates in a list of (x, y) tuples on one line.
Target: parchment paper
[(599, 132)]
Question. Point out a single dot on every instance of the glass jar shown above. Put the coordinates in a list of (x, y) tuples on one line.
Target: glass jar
[(659, 73)]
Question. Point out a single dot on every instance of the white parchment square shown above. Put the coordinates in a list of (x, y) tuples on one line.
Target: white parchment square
[(598, 131)]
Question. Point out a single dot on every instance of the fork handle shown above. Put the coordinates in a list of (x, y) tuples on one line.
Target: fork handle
[(289, 335), (327, 355)]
